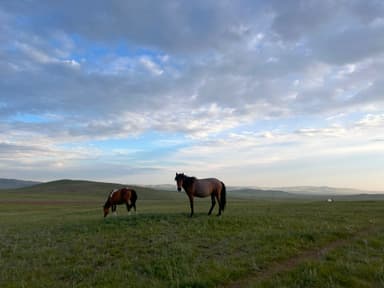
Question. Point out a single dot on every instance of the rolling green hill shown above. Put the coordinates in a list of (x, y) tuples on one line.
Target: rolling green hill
[(6, 183), (81, 191), (77, 190)]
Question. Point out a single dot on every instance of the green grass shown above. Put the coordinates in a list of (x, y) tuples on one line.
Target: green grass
[(69, 244), (360, 263)]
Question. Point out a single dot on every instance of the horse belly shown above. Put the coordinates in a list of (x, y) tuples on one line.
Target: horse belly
[(205, 187)]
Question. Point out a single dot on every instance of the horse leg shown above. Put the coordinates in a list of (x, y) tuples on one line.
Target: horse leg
[(114, 210), (213, 203), (219, 202), (134, 206), (191, 204), (128, 207)]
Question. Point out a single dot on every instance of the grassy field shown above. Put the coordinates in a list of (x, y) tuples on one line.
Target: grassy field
[(55, 236)]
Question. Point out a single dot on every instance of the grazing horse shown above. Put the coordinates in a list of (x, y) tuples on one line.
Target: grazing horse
[(202, 188), (124, 195)]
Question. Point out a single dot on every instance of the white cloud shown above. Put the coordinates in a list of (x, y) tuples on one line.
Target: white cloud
[(151, 66), (371, 120)]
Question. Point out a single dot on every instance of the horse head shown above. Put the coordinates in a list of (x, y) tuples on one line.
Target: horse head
[(106, 207), (179, 180)]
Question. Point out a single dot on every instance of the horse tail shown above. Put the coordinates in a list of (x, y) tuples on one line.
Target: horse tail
[(223, 196), (133, 196), (133, 199)]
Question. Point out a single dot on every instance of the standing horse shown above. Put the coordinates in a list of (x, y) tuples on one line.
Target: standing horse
[(202, 188), (125, 196)]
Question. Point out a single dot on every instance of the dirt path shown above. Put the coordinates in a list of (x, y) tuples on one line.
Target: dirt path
[(291, 263)]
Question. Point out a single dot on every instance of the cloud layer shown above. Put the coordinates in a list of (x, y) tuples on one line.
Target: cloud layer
[(249, 83)]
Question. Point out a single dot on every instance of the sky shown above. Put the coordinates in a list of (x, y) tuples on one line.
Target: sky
[(255, 93)]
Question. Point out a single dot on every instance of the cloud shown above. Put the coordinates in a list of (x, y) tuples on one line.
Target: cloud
[(243, 150), (283, 72), (151, 66), (227, 70), (138, 21), (371, 120)]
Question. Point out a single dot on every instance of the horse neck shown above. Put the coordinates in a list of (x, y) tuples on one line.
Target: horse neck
[(107, 203), (188, 182)]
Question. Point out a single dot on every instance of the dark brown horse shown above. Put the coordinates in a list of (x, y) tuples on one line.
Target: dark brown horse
[(202, 188), (124, 195)]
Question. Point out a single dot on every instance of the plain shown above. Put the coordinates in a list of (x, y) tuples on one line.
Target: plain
[(54, 235)]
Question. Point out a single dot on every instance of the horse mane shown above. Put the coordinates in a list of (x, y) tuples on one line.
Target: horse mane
[(107, 204), (189, 180)]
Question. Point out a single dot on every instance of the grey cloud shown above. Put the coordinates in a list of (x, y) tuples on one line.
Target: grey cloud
[(352, 45), (7, 149), (215, 60), (367, 11), (302, 18), (296, 19), (337, 32), (55, 87), (168, 25), (372, 95)]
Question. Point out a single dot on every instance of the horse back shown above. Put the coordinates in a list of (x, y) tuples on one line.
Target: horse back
[(121, 195)]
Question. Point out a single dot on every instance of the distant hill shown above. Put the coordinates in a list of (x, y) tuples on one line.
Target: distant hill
[(297, 192), (165, 187), (84, 190), (325, 190), (258, 193), (236, 191), (315, 194), (14, 183), (79, 190)]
